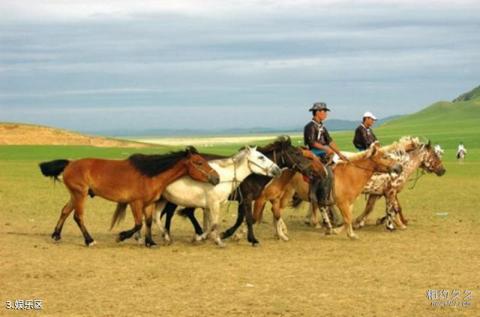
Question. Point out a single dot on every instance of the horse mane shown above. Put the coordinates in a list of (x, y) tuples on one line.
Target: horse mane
[(280, 143), (210, 156), (354, 156), (225, 161), (153, 164)]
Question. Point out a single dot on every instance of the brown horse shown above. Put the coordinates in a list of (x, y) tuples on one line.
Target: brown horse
[(350, 178), (274, 191), (138, 181)]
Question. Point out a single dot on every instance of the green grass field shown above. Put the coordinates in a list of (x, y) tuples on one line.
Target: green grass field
[(382, 274)]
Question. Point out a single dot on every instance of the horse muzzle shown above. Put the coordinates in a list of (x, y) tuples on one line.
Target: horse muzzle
[(275, 171), (440, 172), (213, 179), (397, 168)]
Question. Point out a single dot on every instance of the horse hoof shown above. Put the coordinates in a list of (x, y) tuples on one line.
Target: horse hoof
[(150, 244), (91, 244), (358, 224), (353, 237), (390, 227), (196, 238), (56, 236), (220, 243)]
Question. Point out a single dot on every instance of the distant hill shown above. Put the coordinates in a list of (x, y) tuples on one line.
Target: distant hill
[(444, 122), (332, 125), (471, 95), (28, 134)]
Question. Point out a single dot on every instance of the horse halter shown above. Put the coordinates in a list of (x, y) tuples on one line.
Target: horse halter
[(264, 169), (202, 171)]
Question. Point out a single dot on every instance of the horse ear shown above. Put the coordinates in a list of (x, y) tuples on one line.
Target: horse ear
[(190, 150)]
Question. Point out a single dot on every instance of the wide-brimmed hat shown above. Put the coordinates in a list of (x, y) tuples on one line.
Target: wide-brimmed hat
[(319, 106)]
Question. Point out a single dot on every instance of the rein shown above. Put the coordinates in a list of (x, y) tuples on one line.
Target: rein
[(201, 170), (417, 177)]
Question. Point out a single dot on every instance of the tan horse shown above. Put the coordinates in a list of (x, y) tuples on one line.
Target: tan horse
[(275, 190), (138, 181), (350, 178)]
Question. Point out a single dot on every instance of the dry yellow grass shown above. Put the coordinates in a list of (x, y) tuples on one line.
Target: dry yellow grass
[(382, 274), (26, 134)]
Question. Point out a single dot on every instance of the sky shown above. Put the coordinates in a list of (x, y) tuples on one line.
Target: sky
[(109, 65)]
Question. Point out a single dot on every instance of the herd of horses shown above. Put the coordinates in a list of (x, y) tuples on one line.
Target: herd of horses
[(279, 173)]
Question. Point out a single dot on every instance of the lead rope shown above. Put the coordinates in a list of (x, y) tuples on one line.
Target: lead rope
[(236, 192), (417, 177)]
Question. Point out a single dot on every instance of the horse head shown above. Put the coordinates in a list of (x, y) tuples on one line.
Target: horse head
[(432, 161), (198, 167), (286, 155), (383, 162), (260, 164)]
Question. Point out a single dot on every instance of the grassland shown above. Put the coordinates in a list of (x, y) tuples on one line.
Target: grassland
[(382, 274)]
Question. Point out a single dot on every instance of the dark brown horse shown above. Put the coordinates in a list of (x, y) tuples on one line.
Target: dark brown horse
[(283, 153), (138, 181)]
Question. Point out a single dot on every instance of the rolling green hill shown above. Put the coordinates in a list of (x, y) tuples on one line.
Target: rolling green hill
[(447, 123)]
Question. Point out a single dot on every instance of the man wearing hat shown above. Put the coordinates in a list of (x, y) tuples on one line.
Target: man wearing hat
[(318, 140), (363, 134)]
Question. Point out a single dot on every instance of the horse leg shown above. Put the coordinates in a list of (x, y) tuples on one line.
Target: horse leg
[(148, 211), (246, 207), (66, 210), (399, 211), (137, 211), (326, 220), (159, 208), (214, 215), (280, 227), (169, 210), (312, 215), (360, 221), (334, 217), (196, 225), (238, 222), (78, 203), (346, 210)]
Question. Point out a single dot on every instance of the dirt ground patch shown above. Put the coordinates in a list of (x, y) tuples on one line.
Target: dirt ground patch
[(382, 274), (24, 134)]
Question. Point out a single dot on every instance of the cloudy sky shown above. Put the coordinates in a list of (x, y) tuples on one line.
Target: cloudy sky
[(102, 65)]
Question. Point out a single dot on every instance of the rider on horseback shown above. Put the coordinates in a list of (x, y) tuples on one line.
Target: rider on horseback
[(318, 140), (364, 135)]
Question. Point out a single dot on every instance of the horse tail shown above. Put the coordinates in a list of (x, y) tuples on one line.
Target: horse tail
[(296, 201), (53, 168), (118, 215)]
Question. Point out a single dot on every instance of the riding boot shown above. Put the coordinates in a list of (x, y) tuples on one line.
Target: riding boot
[(315, 191), (324, 193)]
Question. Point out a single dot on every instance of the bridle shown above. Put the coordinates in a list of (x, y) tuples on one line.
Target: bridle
[(294, 163), (202, 171)]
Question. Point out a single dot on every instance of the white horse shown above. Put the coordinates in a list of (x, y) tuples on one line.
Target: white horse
[(187, 192)]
